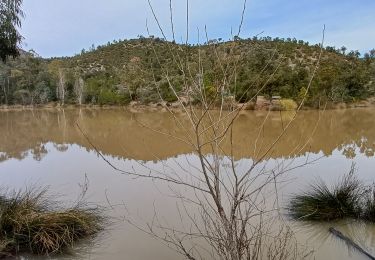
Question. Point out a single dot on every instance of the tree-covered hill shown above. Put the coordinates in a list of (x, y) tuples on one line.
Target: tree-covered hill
[(144, 69)]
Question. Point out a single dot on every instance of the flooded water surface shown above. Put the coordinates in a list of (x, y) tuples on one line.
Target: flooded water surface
[(46, 148)]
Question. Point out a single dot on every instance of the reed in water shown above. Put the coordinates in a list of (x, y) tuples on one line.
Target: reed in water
[(323, 203), (31, 223)]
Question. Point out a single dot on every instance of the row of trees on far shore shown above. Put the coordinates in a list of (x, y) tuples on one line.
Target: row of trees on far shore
[(123, 72)]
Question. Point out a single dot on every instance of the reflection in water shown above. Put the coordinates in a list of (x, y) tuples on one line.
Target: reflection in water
[(318, 234), (35, 146), (118, 133)]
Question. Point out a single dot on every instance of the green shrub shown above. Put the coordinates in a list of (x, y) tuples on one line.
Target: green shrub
[(108, 97)]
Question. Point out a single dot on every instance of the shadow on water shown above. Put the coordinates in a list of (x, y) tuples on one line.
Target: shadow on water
[(318, 234)]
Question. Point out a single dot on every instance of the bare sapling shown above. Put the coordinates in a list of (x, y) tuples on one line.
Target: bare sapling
[(229, 209)]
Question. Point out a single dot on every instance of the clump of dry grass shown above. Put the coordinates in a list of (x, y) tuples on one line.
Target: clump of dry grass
[(288, 104), (29, 222)]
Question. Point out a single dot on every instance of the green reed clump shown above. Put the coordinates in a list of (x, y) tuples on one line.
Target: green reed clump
[(322, 203), (29, 222)]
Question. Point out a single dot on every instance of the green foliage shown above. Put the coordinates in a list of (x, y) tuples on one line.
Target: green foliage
[(303, 94), (166, 92), (103, 89), (26, 81), (139, 70), (10, 20)]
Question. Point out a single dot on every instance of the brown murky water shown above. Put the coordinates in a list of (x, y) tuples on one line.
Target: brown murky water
[(44, 147)]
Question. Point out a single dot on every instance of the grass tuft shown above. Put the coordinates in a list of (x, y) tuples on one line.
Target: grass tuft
[(322, 203), (368, 213), (30, 223), (288, 104)]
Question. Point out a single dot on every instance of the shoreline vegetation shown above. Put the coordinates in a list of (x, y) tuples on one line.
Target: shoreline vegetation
[(126, 72), (30, 222), (264, 105)]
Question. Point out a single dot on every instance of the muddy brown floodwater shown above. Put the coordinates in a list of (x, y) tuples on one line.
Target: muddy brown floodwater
[(44, 148)]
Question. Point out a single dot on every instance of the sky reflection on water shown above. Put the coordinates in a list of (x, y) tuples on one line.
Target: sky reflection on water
[(44, 148)]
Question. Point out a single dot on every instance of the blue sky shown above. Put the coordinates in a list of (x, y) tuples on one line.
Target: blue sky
[(65, 27)]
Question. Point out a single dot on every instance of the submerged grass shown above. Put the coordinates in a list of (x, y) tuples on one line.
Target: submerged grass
[(322, 203), (29, 222)]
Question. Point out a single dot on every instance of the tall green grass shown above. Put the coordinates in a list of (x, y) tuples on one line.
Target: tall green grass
[(29, 222)]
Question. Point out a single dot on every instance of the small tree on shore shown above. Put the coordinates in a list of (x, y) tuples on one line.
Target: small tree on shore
[(61, 87), (79, 87)]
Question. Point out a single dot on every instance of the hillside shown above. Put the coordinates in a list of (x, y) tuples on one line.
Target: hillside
[(139, 70)]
